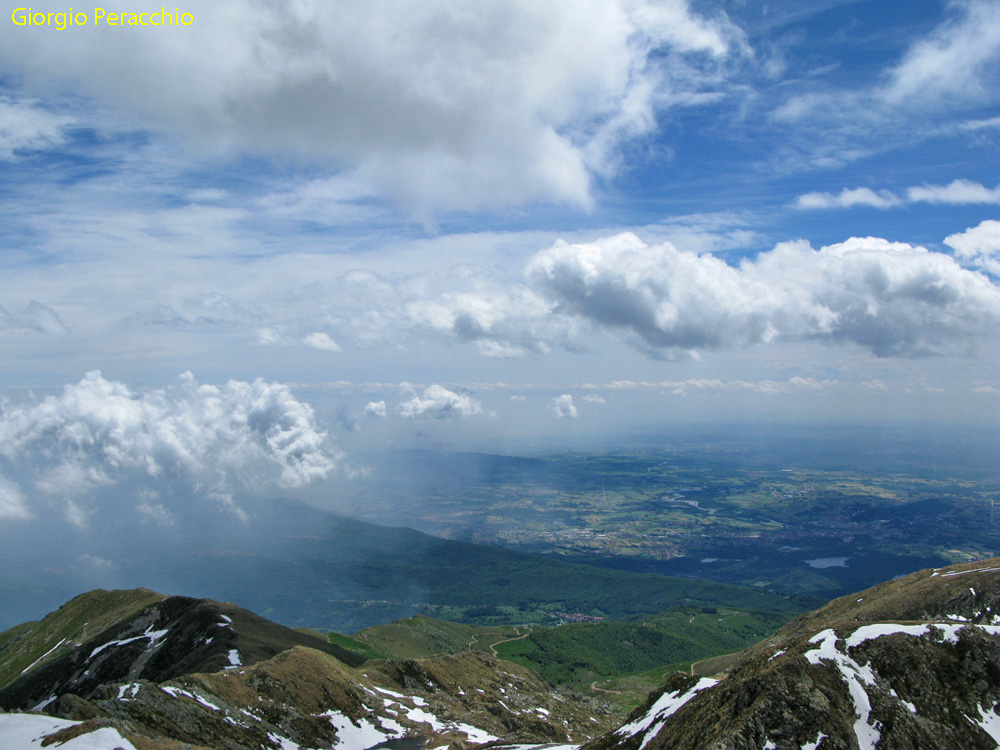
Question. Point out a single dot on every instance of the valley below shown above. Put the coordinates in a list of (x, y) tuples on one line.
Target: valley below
[(596, 599)]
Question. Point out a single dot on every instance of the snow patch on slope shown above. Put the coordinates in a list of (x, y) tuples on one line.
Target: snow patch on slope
[(989, 722), (856, 676), (353, 736), (30, 666), (176, 692), (665, 706), (153, 635), (27, 731)]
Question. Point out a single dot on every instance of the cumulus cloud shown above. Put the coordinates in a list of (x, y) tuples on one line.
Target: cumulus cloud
[(891, 298), (321, 341), (563, 407), (13, 506), (214, 440), (980, 245), (446, 103), (848, 198), (671, 300), (438, 402), (376, 409), (593, 398)]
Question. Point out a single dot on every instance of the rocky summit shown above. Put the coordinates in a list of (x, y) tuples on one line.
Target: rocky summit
[(910, 664)]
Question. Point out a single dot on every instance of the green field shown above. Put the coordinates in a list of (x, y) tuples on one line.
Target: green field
[(581, 654), (621, 661)]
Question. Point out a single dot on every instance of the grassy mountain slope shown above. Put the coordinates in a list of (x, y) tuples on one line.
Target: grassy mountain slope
[(167, 637), (184, 673), (76, 621), (579, 654), (423, 637)]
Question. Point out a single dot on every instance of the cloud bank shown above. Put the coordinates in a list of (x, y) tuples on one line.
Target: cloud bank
[(71, 449), (890, 298)]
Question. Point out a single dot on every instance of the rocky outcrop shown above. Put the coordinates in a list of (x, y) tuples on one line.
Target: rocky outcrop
[(909, 664)]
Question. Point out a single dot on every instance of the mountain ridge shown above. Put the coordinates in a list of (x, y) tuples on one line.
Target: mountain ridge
[(911, 663), (170, 636)]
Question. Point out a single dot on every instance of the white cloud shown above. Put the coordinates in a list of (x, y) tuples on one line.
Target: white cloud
[(673, 301), (442, 103), (333, 201), (438, 402), (376, 409), (95, 563), (593, 398), (24, 126), (563, 407), (958, 62), (891, 298), (952, 69), (13, 506), (321, 341), (980, 245), (154, 512), (502, 323), (848, 198), (98, 433), (957, 193)]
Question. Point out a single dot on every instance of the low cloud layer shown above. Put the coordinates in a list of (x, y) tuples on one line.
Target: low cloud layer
[(70, 450)]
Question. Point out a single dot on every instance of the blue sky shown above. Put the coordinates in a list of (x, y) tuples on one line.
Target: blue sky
[(459, 221)]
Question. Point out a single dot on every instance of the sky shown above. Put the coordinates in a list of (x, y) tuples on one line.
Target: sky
[(235, 252)]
